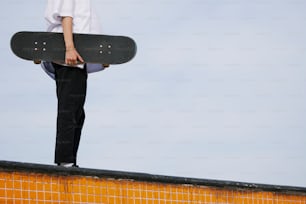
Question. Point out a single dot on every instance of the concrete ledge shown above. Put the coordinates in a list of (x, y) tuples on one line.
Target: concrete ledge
[(8, 166)]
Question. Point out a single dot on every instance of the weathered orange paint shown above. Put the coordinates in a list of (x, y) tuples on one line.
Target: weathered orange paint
[(34, 188)]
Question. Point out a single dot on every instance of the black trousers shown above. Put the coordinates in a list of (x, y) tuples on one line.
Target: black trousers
[(71, 84)]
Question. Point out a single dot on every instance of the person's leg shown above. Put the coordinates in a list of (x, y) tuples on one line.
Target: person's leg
[(77, 135), (71, 86)]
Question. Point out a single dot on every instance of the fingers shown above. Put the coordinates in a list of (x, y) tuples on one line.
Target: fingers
[(80, 58), (73, 58)]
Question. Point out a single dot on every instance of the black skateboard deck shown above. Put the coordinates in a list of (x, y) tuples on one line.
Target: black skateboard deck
[(50, 47)]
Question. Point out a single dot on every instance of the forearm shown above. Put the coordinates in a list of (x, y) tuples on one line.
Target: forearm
[(72, 56), (68, 32)]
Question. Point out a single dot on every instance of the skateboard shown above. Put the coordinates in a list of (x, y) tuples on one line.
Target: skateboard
[(50, 47)]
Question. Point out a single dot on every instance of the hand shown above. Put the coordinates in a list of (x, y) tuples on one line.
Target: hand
[(73, 57)]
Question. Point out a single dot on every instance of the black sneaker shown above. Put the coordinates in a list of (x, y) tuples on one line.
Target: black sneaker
[(75, 166)]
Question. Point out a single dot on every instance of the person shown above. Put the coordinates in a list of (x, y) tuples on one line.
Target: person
[(68, 17)]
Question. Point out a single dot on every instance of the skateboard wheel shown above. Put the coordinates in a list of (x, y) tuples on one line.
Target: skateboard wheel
[(37, 61)]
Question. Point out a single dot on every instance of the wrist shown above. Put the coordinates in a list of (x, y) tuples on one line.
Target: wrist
[(70, 49)]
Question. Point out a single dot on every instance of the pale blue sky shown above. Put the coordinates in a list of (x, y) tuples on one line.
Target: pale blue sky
[(216, 91)]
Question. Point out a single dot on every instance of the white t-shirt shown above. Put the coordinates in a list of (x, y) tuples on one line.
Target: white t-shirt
[(84, 21)]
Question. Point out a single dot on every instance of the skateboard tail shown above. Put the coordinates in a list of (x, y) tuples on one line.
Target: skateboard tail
[(28, 46), (16, 46), (105, 49)]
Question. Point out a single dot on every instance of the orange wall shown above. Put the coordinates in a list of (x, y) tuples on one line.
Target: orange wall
[(28, 188)]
